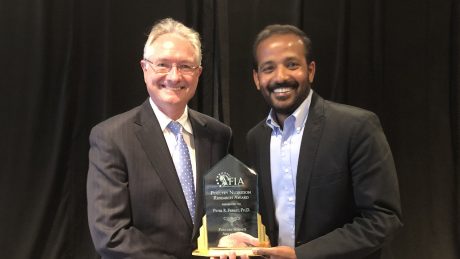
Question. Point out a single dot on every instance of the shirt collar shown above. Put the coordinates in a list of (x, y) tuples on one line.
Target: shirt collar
[(164, 120), (300, 114)]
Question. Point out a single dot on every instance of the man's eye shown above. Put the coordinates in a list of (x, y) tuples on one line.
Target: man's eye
[(266, 69), (185, 67), (292, 65), (162, 65)]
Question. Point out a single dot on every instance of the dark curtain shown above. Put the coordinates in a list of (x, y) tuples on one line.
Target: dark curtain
[(69, 64)]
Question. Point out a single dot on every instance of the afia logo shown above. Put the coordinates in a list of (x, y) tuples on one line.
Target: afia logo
[(223, 179)]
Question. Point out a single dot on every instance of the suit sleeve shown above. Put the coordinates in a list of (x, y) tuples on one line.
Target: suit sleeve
[(376, 197), (109, 203)]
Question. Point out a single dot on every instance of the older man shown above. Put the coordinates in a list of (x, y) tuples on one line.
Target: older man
[(146, 165)]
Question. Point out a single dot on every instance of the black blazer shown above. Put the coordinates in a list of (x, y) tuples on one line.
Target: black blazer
[(347, 195), (136, 207)]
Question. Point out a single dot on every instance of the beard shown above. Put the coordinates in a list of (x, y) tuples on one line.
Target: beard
[(299, 96)]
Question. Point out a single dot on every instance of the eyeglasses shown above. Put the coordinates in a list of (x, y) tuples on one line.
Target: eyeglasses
[(165, 67)]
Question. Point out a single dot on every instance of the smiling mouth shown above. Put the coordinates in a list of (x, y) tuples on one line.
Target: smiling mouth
[(282, 90), (174, 88)]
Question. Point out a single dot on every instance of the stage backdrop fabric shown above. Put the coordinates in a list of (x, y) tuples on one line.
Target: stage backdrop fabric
[(67, 65)]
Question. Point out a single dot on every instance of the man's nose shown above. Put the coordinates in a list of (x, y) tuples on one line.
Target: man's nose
[(173, 74), (281, 74)]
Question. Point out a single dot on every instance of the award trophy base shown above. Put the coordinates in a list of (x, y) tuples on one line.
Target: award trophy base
[(205, 250)]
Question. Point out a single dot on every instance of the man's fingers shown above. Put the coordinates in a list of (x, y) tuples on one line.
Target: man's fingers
[(267, 251), (238, 239), (246, 238), (263, 251), (279, 251)]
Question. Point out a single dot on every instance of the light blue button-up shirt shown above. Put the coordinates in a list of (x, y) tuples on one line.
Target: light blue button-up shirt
[(284, 157)]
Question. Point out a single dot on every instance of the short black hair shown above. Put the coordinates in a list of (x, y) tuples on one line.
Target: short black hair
[(282, 29)]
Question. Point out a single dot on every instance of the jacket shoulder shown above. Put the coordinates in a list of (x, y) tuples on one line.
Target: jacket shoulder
[(343, 114), (212, 123), (344, 109), (118, 121), (257, 128)]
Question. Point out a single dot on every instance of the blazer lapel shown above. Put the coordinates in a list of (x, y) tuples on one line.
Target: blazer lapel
[(202, 138), (309, 145), (150, 136), (264, 165)]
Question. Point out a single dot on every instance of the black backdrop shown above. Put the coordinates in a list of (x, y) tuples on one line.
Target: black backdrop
[(68, 64)]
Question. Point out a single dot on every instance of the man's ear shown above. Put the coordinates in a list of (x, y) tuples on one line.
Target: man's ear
[(311, 71), (143, 65), (256, 79)]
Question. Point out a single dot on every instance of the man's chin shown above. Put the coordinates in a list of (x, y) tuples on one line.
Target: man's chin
[(284, 110)]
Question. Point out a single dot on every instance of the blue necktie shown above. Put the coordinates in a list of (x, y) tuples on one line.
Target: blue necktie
[(183, 166)]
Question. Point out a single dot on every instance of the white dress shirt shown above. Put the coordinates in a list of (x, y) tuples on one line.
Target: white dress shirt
[(187, 133)]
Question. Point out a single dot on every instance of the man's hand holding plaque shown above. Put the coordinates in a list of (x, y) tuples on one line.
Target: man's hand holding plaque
[(262, 250), (238, 239)]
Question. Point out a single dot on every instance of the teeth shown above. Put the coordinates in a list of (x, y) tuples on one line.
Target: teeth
[(175, 88), (282, 90)]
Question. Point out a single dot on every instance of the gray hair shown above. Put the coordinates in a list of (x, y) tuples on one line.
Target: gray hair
[(170, 25)]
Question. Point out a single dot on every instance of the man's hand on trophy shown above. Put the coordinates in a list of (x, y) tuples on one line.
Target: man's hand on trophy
[(238, 239), (232, 255), (278, 252)]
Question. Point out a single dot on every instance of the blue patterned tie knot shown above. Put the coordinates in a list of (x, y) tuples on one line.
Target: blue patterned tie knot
[(175, 128), (181, 158)]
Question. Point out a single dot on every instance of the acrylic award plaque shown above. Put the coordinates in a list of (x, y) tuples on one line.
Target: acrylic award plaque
[(231, 207)]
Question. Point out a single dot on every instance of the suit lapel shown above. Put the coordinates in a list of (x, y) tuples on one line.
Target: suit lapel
[(202, 139), (149, 134), (309, 145), (264, 165)]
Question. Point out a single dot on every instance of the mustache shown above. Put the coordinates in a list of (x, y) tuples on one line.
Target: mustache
[(288, 83)]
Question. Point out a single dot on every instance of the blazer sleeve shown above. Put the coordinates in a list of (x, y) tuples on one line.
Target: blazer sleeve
[(109, 203), (376, 197)]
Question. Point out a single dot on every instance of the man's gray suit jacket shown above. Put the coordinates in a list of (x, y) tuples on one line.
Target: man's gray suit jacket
[(136, 207)]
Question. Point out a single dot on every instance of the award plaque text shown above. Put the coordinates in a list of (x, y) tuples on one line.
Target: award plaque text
[(231, 206)]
